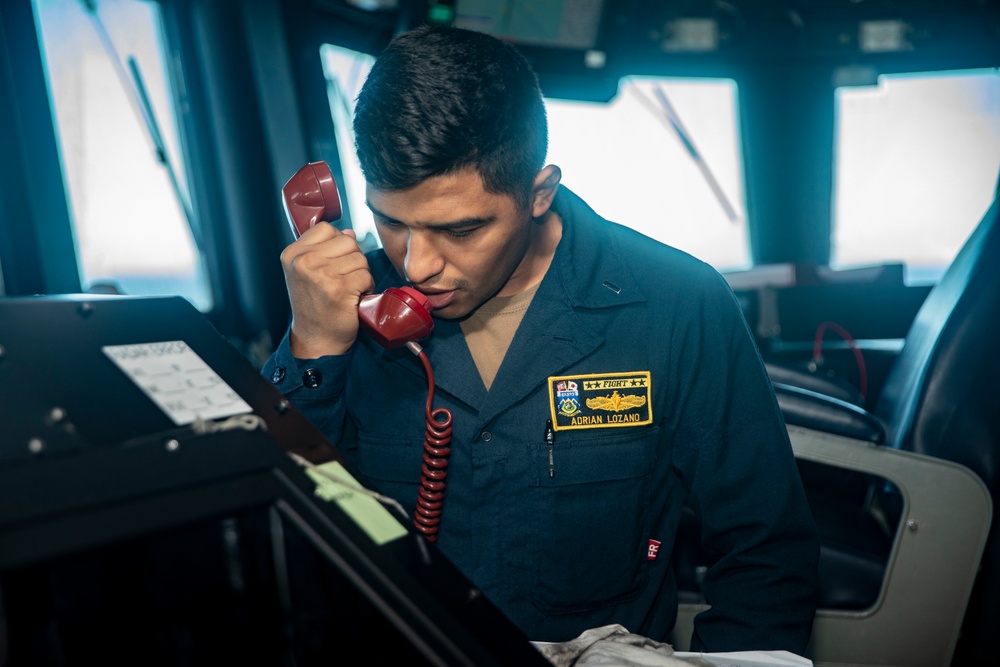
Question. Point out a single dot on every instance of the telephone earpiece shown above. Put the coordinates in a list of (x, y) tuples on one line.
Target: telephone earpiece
[(394, 318), (310, 197)]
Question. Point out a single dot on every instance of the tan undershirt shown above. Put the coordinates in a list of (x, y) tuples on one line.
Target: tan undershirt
[(489, 330)]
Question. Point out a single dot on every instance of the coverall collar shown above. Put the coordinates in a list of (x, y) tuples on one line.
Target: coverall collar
[(588, 272)]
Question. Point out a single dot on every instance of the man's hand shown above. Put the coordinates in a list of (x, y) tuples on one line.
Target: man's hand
[(326, 273)]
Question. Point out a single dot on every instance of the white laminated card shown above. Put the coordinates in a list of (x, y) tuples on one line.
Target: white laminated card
[(177, 380)]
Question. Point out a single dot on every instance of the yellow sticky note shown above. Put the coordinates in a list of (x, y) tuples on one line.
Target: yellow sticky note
[(366, 511)]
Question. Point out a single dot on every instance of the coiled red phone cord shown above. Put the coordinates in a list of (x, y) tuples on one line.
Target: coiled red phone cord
[(434, 470)]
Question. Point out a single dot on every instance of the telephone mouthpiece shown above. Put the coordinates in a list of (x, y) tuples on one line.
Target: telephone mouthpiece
[(396, 317)]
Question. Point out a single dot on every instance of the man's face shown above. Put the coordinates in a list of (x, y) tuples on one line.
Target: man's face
[(453, 240)]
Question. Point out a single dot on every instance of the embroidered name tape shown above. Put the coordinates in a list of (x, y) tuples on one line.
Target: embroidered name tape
[(600, 400)]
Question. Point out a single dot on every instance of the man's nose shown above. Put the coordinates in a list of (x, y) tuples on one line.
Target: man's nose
[(423, 262)]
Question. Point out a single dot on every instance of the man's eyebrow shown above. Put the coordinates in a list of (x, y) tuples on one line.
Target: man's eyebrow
[(445, 226), (379, 214)]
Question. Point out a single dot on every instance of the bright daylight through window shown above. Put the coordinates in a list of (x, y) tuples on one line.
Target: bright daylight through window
[(918, 158), (131, 218)]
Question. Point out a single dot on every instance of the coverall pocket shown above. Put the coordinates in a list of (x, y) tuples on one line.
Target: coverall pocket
[(392, 464), (592, 519)]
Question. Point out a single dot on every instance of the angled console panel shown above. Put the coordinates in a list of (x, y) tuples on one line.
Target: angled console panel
[(126, 521)]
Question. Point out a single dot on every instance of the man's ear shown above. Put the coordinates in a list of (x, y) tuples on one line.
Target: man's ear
[(544, 190)]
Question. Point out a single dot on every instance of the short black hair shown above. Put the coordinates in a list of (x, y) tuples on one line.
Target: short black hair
[(439, 99)]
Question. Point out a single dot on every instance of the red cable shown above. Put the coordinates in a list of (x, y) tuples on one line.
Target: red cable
[(858, 356), (434, 470)]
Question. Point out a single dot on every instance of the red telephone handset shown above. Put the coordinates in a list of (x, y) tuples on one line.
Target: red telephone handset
[(397, 317), (394, 318)]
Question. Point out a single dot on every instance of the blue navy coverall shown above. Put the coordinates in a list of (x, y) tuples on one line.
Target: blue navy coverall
[(641, 357)]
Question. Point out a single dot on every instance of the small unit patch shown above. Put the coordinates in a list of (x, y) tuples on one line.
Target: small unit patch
[(600, 400)]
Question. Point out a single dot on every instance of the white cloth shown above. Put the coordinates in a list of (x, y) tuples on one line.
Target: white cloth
[(614, 646)]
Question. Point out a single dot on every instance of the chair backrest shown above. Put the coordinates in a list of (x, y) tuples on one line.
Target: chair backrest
[(942, 398)]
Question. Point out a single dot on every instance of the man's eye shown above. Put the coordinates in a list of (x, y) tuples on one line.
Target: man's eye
[(461, 233)]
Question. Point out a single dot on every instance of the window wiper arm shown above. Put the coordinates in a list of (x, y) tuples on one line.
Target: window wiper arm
[(673, 121), (133, 83)]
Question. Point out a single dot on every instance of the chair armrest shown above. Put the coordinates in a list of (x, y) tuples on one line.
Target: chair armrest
[(801, 377), (935, 556), (810, 409)]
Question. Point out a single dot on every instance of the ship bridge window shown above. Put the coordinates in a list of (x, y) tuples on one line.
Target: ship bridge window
[(118, 142), (917, 161), (662, 157)]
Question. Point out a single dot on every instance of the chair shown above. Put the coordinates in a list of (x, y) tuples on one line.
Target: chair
[(916, 617), (940, 399), (926, 456)]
